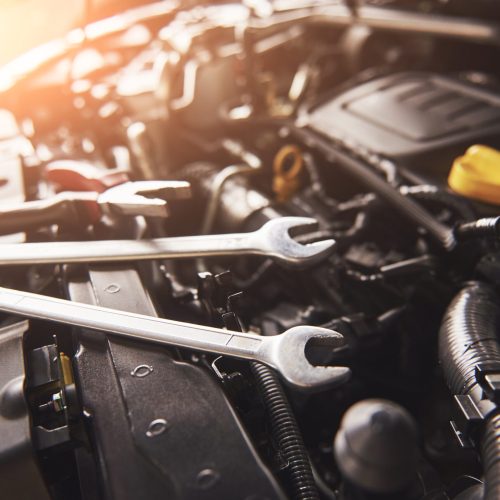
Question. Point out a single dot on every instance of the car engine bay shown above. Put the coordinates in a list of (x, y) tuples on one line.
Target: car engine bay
[(251, 251)]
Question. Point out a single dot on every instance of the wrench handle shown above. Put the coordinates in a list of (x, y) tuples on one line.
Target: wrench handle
[(126, 250), (33, 214), (130, 325)]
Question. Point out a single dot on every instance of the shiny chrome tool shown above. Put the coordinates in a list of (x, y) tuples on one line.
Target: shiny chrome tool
[(147, 198), (285, 353), (271, 240)]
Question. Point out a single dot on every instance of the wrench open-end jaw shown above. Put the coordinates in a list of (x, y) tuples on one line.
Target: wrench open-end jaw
[(275, 240), (147, 198), (287, 354)]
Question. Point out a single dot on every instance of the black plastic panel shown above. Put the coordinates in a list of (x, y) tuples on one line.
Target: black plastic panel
[(421, 119), (160, 428)]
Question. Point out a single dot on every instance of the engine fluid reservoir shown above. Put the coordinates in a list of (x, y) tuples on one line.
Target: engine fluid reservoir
[(476, 174)]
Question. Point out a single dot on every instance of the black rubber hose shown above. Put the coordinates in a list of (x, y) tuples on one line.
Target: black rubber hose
[(197, 173), (468, 337), (490, 453), (286, 433), (426, 192), (489, 228), (365, 174)]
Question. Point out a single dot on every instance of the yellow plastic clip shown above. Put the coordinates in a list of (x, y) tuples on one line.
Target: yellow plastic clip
[(476, 174)]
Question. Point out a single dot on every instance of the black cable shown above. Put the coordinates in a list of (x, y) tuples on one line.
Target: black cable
[(488, 228), (429, 193), (286, 433), (364, 173)]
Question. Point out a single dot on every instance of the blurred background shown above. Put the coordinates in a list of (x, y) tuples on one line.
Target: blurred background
[(25, 24)]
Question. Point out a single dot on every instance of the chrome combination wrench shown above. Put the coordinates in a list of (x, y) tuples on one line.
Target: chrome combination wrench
[(273, 240), (285, 353)]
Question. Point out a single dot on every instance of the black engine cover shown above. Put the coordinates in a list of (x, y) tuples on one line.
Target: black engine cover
[(422, 120)]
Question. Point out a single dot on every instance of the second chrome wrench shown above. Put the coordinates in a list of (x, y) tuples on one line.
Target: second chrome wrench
[(273, 240), (285, 353)]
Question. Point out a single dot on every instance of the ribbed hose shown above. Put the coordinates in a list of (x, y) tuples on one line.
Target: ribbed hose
[(286, 433), (468, 337), (490, 453)]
